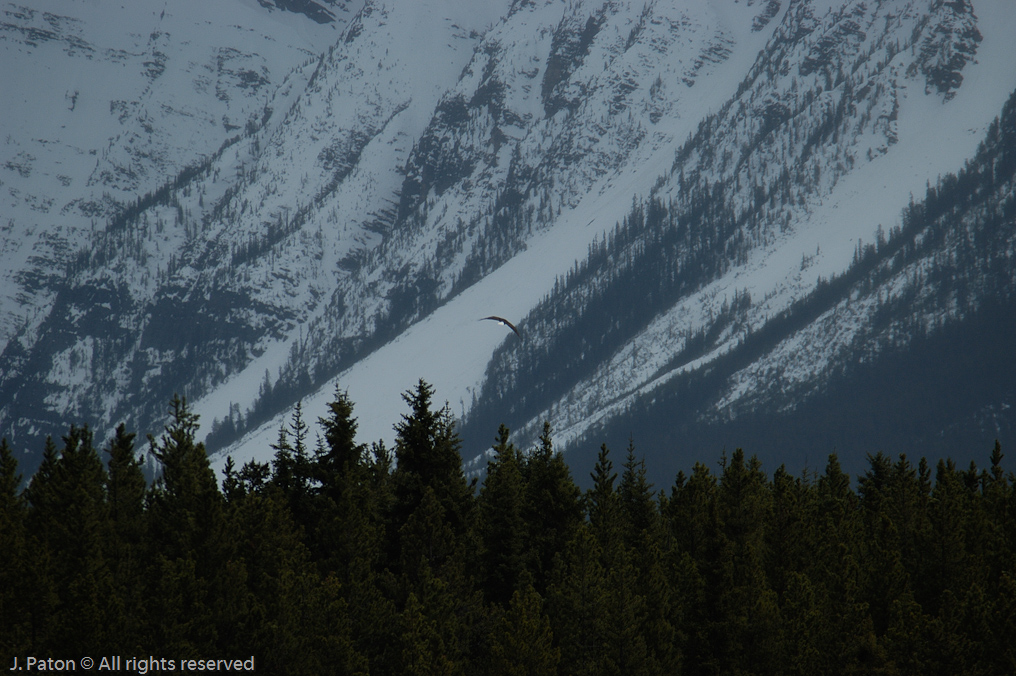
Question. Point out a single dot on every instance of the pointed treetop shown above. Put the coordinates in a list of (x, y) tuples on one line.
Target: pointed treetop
[(10, 479)]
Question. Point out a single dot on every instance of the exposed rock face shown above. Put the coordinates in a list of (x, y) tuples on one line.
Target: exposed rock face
[(949, 43)]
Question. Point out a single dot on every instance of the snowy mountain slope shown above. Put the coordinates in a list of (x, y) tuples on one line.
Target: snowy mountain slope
[(909, 350), (106, 104), (180, 318), (359, 195), (781, 249), (447, 342), (103, 104), (486, 144), (642, 185)]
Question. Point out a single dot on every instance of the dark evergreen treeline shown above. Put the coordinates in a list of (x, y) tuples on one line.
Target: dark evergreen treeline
[(346, 559)]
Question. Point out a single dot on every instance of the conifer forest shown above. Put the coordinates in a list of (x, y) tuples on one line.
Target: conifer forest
[(344, 558)]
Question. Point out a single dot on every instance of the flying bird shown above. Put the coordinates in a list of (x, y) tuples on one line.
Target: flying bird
[(502, 320)]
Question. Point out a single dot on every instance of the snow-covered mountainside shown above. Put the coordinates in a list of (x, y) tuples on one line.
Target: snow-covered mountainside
[(106, 108), (246, 205)]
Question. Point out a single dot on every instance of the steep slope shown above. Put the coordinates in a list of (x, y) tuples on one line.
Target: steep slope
[(193, 280), (813, 151), (107, 110), (496, 137), (773, 193), (644, 186), (809, 44), (495, 166), (106, 104), (908, 351), (317, 235)]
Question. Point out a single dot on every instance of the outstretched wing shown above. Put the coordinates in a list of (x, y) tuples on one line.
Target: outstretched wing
[(504, 321)]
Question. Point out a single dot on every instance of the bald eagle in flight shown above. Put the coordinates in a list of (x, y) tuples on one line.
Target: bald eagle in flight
[(502, 320)]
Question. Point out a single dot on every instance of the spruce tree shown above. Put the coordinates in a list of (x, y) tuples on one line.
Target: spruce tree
[(69, 521), (786, 549), (690, 518), (1002, 652), (15, 630), (746, 621), (185, 502), (500, 524), (885, 581), (427, 541), (644, 570), (190, 578), (431, 500), (338, 460), (625, 648), (578, 605), (125, 494), (331, 628), (638, 508), (344, 503), (41, 576), (292, 469), (690, 511), (523, 643), (996, 493), (125, 486), (432, 570), (802, 621), (353, 495), (287, 612), (602, 504), (948, 568), (846, 637), (552, 508), (423, 650), (427, 456)]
